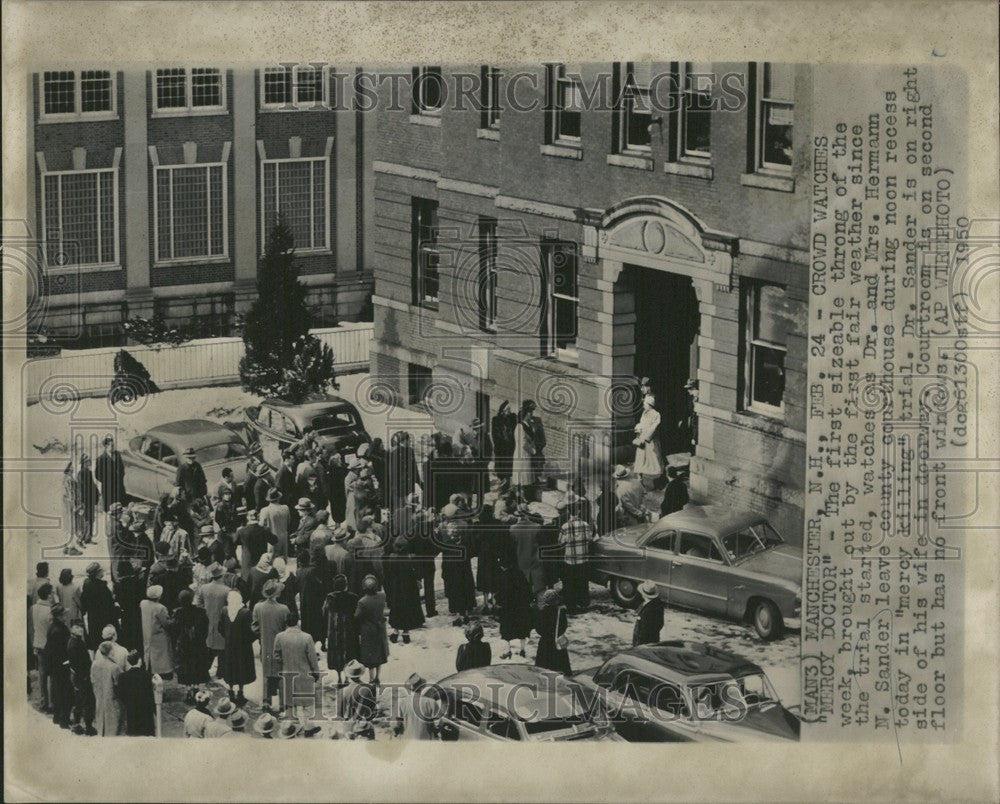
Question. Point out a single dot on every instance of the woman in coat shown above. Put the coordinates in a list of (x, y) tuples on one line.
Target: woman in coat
[(135, 690), (130, 591), (342, 642), (648, 457), (456, 566), (552, 622), (491, 535), (514, 597), (237, 664), (314, 585), (98, 604), (190, 629), (474, 653), (71, 523), (336, 475), (87, 493), (403, 590), (401, 472), (104, 675), (369, 615), (158, 653)]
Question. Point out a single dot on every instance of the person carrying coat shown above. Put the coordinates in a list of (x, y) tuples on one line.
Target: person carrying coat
[(342, 641), (553, 653), (236, 665), (158, 651), (649, 619), (270, 618), (296, 664), (135, 689), (104, 675), (190, 630)]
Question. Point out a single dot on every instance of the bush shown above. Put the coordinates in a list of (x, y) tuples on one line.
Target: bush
[(131, 380)]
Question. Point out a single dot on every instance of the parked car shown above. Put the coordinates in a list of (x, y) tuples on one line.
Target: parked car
[(151, 459), (709, 558), (688, 692), (276, 424), (518, 702)]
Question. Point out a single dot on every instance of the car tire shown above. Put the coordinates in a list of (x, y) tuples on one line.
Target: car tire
[(767, 621), (625, 592)]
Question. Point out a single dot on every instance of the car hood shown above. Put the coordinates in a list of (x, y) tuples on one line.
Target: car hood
[(783, 562), (625, 536)]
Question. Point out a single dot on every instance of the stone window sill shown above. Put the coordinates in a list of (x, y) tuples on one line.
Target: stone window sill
[(768, 181), (432, 120), (562, 151), (637, 161), (488, 134), (689, 168)]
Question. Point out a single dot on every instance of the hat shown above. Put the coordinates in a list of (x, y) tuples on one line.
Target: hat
[(58, 609), (354, 669), (343, 533), (206, 529), (340, 583), (93, 568), (189, 451), (649, 590), (138, 526), (109, 632), (224, 708), (620, 472), (216, 570), (272, 588), (202, 697), (155, 592), (237, 720), (474, 631), (304, 504), (265, 724), (415, 681), (289, 729), (273, 495)]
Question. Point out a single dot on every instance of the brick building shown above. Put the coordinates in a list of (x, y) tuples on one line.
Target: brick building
[(540, 244), (154, 190)]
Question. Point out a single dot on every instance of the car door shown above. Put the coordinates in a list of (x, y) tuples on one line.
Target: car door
[(166, 468), (659, 550), (629, 698), (699, 574), (464, 720), (266, 436), (140, 471)]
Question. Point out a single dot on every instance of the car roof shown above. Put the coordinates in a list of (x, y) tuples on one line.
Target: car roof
[(715, 520), (691, 660), (193, 433), (498, 681), (303, 413)]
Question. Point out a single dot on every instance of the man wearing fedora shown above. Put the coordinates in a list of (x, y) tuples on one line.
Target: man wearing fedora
[(270, 618), (226, 521), (258, 484), (296, 663), (649, 618), (337, 554), (109, 470), (56, 659), (213, 596), (158, 649), (265, 725), (190, 477), (631, 498), (198, 717), (307, 523), (97, 604), (83, 691), (284, 482), (276, 518)]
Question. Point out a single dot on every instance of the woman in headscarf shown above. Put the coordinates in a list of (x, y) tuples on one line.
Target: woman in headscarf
[(259, 576), (237, 657), (370, 618), (104, 675), (71, 514), (552, 643), (158, 653), (342, 644), (190, 628), (401, 576)]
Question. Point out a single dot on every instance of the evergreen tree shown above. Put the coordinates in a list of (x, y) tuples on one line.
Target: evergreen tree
[(131, 380), (282, 359)]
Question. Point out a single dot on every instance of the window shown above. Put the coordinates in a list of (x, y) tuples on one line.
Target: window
[(69, 93), (191, 214), (295, 189), (503, 727), (419, 379), (427, 90), (694, 545), (167, 455), (695, 135), (560, 303), (291, 86), (668, 698), (425, 252), (663, 541), (775, 114), (487, 273), (566, 103), (80, 217), (635, 109), (766, 334), (469, 712), (179, 89), (490, 96)]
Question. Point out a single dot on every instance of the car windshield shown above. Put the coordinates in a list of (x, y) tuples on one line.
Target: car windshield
[(751, 540), (549, 711), (228, 450), (730, 698), (334, 420)]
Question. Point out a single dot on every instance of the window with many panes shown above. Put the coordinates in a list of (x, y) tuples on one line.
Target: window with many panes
[(488, 273), (69, 93), (293, 86), (489, 87), (559, 320), (80, 217), (566, 103), (775, 116), (190, 210), (427, 90), (183, 89), (296, 190), (426, 256), (635, 111), (695, 129), (766, 336)]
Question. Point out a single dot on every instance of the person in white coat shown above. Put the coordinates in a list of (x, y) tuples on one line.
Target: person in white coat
[(648, 457)]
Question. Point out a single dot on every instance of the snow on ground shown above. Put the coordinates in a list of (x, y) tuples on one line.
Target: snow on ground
[(594, 636)]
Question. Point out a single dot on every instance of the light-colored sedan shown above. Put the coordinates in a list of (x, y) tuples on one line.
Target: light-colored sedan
[(151, 459), (711, 559)]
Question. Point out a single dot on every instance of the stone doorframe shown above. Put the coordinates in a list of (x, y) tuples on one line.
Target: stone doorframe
[(652, 232)]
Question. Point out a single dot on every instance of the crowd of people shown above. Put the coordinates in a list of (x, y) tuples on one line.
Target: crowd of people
[(326, 555)]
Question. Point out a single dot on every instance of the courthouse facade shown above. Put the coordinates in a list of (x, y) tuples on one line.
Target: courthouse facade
[(540, 244), (154, 190)]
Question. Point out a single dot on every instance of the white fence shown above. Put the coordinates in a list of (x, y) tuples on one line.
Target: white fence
[(207, 361)]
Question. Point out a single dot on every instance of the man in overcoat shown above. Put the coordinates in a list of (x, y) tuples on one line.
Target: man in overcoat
[(270, 618)]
